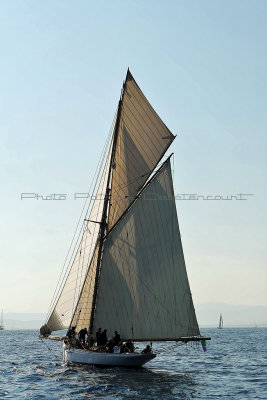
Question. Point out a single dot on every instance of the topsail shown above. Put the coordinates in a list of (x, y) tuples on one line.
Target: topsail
[(142, 141)]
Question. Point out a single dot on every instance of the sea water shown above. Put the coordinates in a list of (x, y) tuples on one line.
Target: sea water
[(234, 367)]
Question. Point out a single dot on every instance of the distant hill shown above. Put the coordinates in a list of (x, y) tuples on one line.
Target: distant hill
[(207, 315), (233, 315), (23, 321)]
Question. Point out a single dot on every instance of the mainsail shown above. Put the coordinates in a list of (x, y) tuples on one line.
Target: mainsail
[(133, 276)]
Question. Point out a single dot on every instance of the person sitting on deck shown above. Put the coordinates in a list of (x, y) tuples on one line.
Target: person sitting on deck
[(110, 346), (129, 346), (123, 349), (83, 332), (90, 341), (147, 349), (117, 349)]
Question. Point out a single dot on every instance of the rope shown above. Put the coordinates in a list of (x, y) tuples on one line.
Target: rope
[(49, 349)]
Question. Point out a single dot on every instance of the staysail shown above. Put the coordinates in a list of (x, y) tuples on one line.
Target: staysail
[(143, 289), (62, 313)]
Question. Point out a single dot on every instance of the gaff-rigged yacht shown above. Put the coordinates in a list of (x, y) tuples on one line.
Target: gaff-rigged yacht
[(127, 272), (220, 326), (2, 321)]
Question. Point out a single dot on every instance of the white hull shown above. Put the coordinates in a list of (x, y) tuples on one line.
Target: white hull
[(109, 359)]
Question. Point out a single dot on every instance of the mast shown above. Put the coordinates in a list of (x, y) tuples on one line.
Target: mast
[(103, 223)]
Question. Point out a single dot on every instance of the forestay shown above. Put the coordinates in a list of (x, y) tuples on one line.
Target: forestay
[(143, 288)]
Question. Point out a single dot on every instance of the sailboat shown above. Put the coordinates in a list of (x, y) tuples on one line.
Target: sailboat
[(2, 322), (220, 322), (127, 272)]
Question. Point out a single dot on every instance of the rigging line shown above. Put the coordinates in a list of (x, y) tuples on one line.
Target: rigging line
[(92, 244), (50, 349), (62, 280), (96, 180), (123, 186), (83, 229), (172, 241), (96, 176)]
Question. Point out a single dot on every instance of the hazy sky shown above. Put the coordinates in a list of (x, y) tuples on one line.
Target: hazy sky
[(201, 63)]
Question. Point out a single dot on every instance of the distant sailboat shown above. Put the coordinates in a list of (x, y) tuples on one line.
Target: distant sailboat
[(220, 322), (128, 270), (2, 322)]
